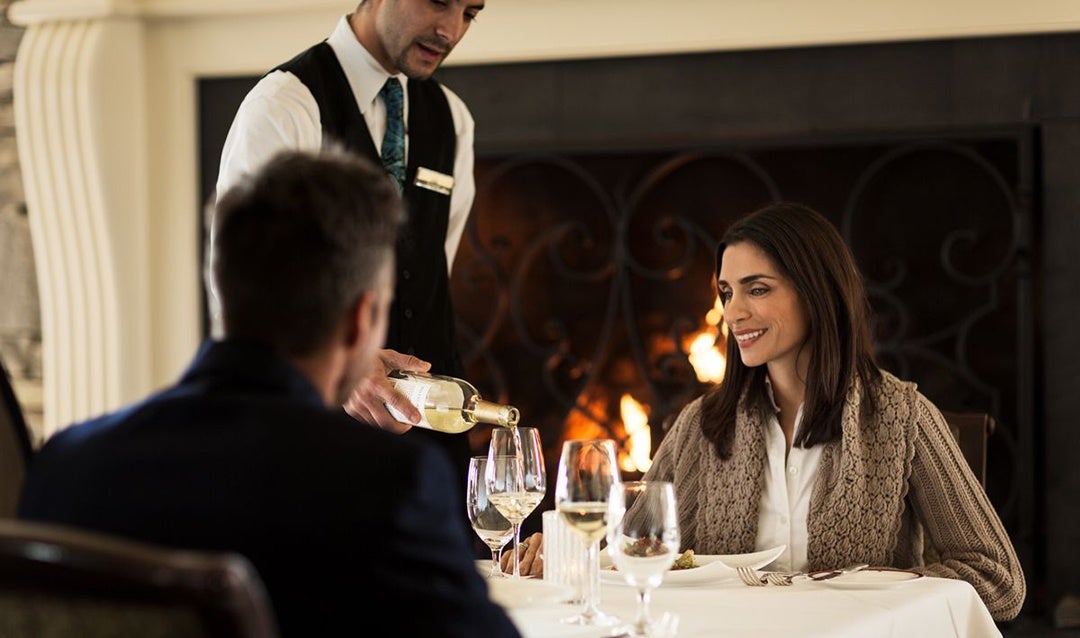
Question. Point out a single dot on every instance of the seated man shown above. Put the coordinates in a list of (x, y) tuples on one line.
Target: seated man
[(251, 451)]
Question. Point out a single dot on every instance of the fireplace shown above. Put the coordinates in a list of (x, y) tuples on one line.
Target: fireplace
[(585, 278)]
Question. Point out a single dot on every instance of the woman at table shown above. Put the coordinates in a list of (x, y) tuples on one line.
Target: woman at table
[(808, 443)]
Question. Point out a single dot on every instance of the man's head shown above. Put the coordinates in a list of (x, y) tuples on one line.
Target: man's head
[(413, 36), (304, 257)]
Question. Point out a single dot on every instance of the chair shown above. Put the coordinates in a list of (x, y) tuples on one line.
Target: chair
[(61, 582), (15, 448), (971, 430)]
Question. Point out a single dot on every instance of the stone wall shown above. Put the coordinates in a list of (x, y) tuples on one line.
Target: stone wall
[(20, 317)]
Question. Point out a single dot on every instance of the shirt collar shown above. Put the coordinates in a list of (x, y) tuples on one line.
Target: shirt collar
[(774, 418), (769, 393), (365, 75)]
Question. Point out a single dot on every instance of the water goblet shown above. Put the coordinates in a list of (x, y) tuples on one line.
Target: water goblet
[(643, 541), (515, 477), (587, 471), (489, 524)]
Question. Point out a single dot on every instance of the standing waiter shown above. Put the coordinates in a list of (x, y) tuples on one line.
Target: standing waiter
[(368, 86)]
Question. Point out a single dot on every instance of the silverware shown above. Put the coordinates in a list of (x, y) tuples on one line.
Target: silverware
[(780, 578), (750, 576), (833, 573)]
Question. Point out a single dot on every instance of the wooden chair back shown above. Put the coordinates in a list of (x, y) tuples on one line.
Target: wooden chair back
[(61, 582), (15, 447)]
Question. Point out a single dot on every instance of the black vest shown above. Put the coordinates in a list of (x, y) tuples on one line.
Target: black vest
[(421, 317)]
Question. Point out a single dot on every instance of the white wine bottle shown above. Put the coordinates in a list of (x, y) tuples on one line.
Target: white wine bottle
[(448, 404)]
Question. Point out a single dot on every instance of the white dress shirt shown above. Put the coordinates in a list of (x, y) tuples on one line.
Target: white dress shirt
[(280, 112), (785, 497)]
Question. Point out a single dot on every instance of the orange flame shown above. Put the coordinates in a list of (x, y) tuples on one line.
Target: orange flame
[(705, 353), (635, 418), (580, 426)]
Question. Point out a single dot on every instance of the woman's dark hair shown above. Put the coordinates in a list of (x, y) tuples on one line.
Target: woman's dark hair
[(808, 251)]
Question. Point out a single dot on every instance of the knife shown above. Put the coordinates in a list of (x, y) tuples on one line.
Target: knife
[(833, 573)]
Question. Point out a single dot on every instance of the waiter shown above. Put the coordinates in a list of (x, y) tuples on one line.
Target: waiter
[(368, 87)]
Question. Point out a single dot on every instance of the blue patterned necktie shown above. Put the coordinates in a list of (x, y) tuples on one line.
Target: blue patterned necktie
[(393, 143)]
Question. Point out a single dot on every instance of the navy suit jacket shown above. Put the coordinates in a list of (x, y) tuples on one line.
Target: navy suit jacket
[(243, 455)]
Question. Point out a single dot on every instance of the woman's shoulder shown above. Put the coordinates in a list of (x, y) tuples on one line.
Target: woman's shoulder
[(892, 383), (688, 421), (909, 390), (902, 399), (892, 390), (684, 438)]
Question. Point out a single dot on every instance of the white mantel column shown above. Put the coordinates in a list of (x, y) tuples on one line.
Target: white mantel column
[(80, 126)]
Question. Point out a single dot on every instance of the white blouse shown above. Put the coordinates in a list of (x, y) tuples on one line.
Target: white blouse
[(785, 497)]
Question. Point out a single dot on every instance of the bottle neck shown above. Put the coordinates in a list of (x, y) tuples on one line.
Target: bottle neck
[(495, 413)]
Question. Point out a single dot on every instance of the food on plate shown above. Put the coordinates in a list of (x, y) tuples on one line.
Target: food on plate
[(685, 560), (646, 547)]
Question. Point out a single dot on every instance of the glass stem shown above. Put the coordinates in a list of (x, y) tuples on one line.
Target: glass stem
[(496, 554), (644, 620), (590, 610), (517, 542)]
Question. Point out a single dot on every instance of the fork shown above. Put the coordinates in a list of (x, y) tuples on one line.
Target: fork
[(779, 578), (750, 576)]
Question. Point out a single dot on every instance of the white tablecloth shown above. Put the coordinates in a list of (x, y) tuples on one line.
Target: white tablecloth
[(924, 608)]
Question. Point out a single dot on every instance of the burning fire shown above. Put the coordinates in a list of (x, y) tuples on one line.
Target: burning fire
[(709, 366), (635, 455), (708, 361)]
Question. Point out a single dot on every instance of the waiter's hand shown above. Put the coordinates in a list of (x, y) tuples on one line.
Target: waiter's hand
[(370, 397)]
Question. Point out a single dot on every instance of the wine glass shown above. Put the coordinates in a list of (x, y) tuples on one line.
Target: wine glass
[(489, 524), (587, 472), (643, 540), (515, 477)]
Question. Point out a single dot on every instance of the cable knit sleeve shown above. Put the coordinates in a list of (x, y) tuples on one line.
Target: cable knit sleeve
[(678, 460), (960, 521)]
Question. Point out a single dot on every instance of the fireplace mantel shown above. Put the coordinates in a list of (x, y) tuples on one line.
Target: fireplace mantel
[(105, 104)]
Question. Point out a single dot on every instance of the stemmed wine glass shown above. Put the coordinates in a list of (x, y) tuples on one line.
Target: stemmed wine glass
[(587, 472), (643, 540), (515, 477), (489, 524)]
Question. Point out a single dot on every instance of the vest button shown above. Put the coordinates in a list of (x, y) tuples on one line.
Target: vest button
[(406, 275), (410, 351), (408, 313)]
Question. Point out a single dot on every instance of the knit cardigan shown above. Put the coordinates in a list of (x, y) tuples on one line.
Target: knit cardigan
[(887, 479)]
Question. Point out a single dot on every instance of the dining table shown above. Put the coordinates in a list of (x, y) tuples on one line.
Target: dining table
[(924, 607)]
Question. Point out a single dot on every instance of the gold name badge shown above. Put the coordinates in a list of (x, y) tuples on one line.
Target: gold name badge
[(434, 180)]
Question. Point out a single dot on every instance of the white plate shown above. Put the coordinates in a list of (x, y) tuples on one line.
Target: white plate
[(865, 579), (512, 593), (711, 567)]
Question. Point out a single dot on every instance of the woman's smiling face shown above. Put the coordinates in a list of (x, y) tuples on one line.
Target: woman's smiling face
[(761, 307)]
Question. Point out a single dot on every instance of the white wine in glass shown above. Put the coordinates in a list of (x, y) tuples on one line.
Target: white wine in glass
[(587, 519), (516, 479), (643, 540), (587, 471), (487, 521)]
